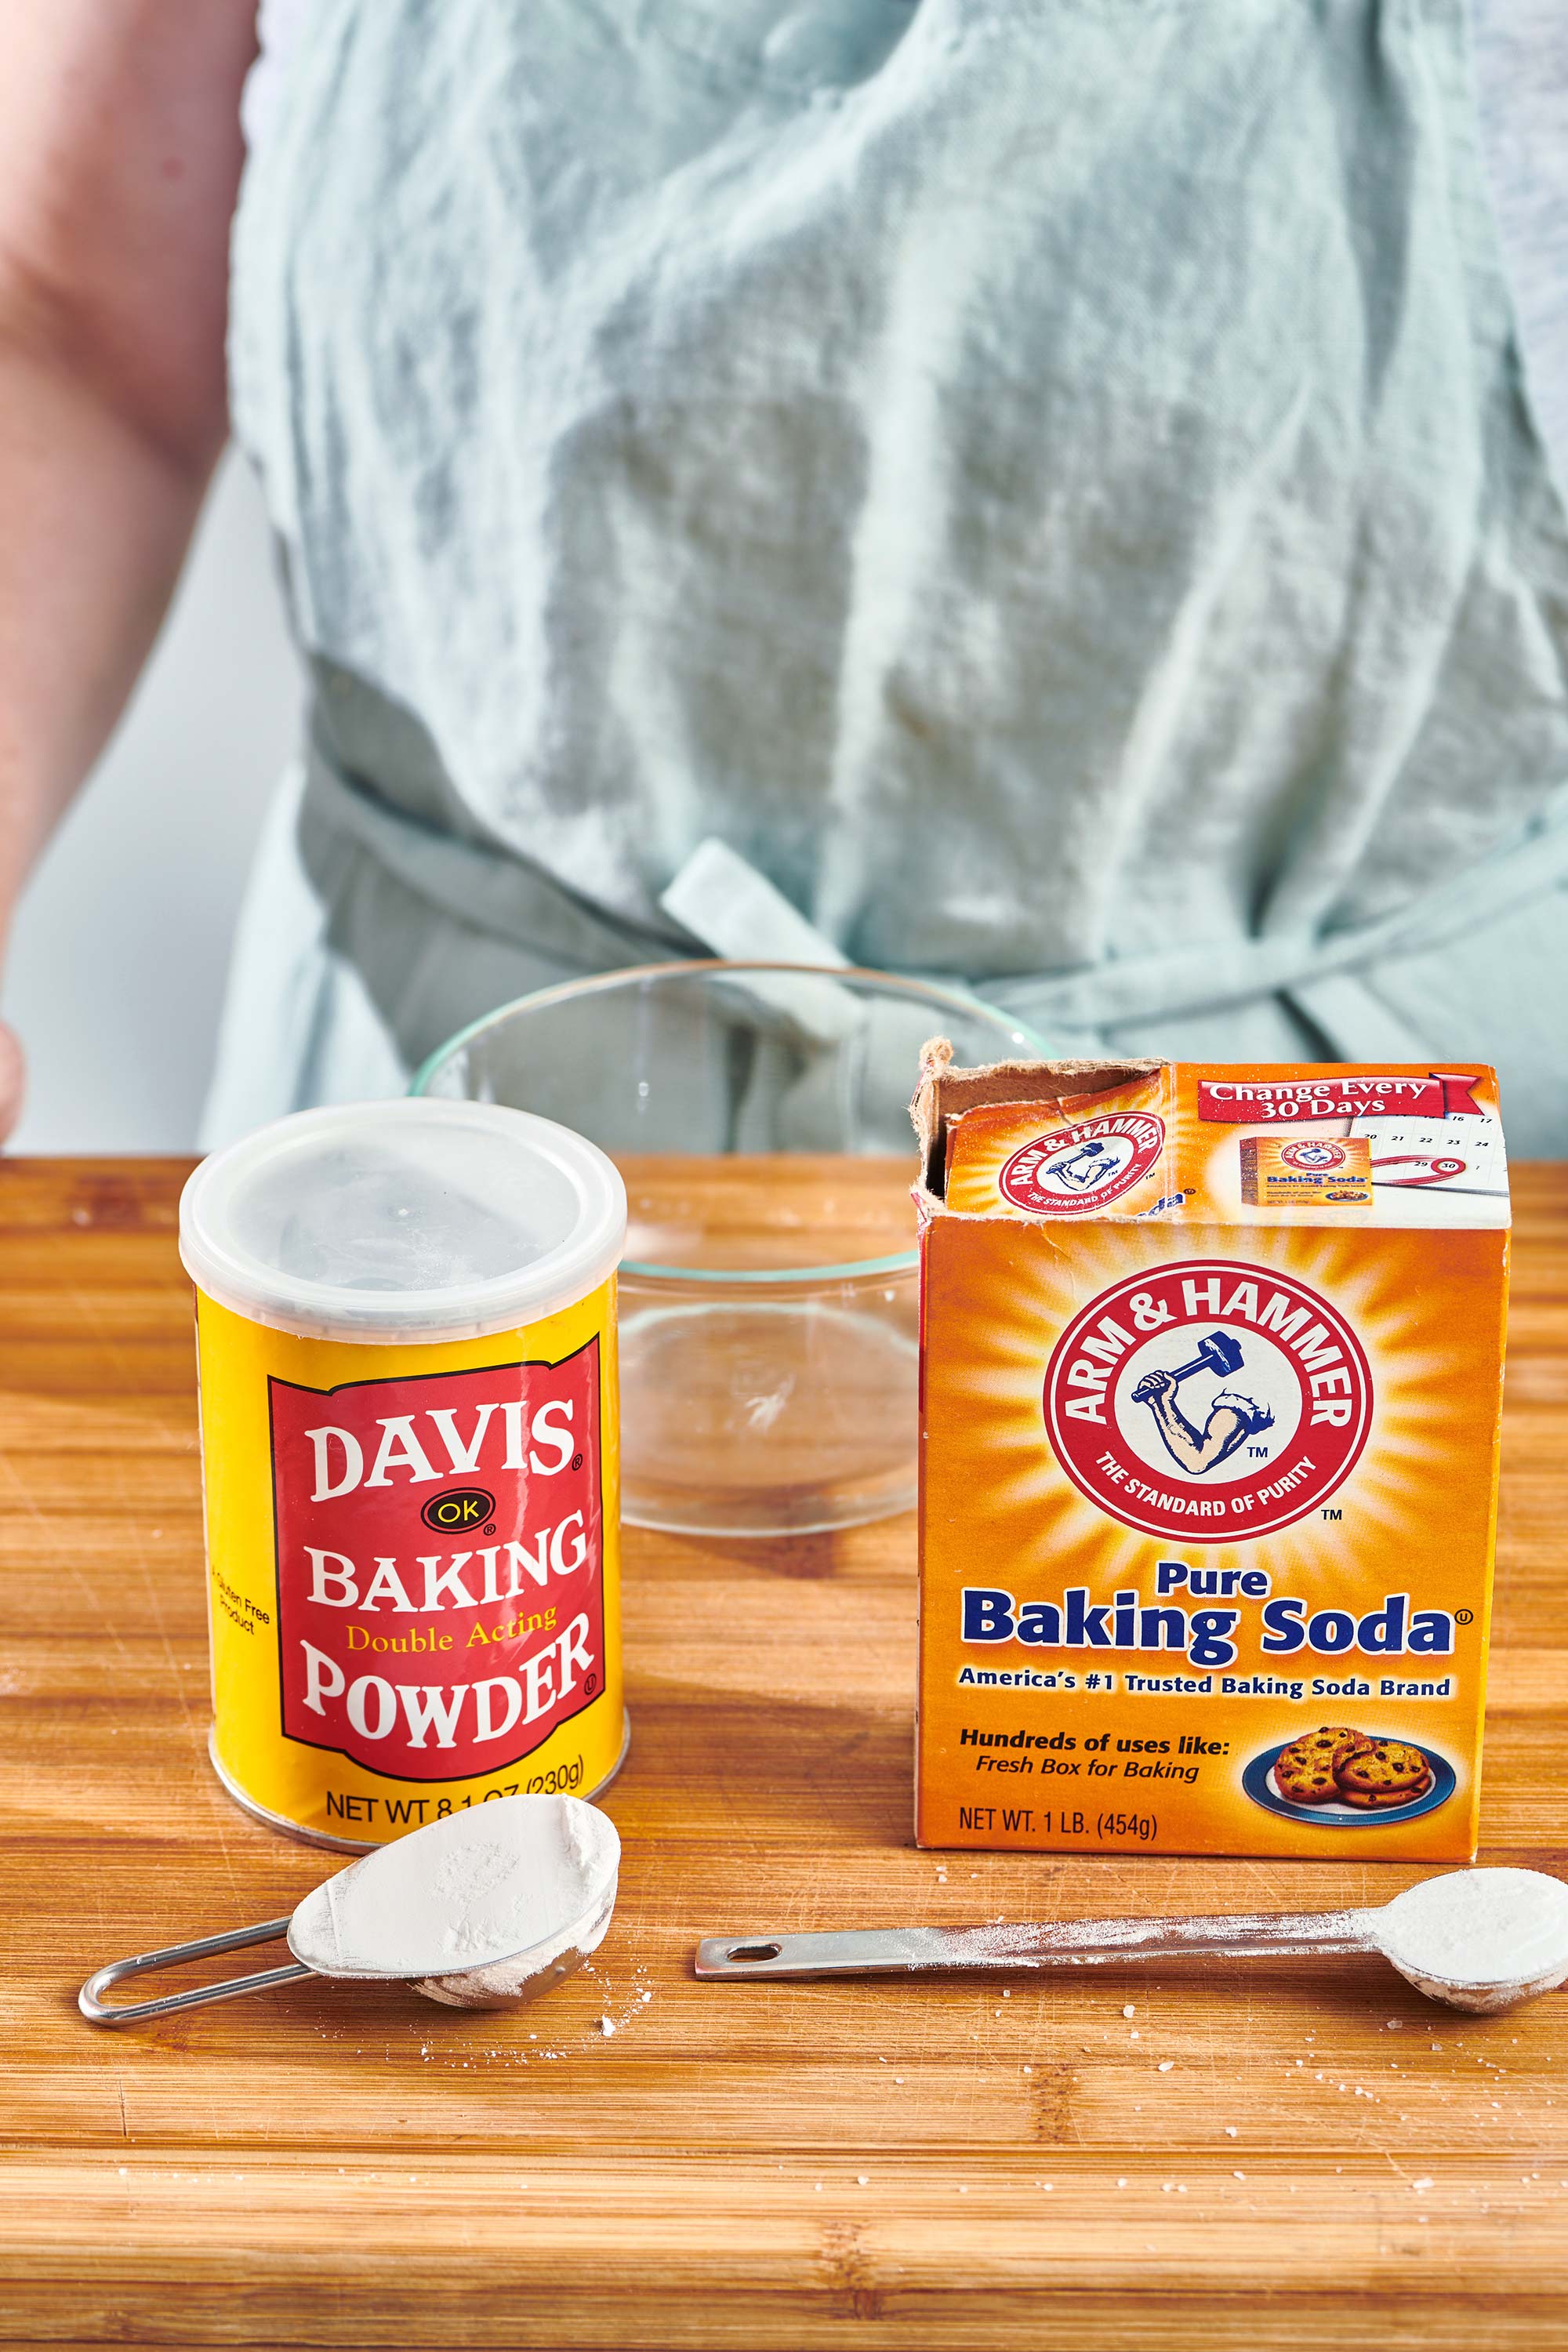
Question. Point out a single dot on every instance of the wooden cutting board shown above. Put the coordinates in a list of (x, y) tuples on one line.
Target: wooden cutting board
[(1251, 2157)]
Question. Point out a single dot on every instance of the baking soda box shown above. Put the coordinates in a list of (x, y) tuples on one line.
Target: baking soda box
[(1211, 1374)]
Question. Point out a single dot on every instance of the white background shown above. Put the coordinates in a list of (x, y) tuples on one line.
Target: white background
[(116, 969)]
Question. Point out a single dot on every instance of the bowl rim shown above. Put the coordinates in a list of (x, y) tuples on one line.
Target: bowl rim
[(958, 997)]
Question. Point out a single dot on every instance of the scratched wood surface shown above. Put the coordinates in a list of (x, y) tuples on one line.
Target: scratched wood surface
[(1256, 2158)]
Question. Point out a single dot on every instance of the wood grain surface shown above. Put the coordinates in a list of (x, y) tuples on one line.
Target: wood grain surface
[(1257, 2157)]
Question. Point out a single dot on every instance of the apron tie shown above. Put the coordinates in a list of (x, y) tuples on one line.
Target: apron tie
[(719, 904)]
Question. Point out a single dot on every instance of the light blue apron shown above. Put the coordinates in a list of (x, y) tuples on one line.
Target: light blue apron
[(1048, 483)]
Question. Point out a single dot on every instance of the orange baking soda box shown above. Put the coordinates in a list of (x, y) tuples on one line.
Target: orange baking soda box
[(1211, 1370)]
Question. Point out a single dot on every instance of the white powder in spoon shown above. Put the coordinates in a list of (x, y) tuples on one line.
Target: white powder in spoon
[(501, 1890), (1496, 1930)]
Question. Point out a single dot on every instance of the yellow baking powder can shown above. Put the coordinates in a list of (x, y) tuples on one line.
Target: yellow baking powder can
[(405, 1331)]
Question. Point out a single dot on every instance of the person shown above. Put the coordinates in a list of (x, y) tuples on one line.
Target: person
[(1056, 496), (1230, 1420)]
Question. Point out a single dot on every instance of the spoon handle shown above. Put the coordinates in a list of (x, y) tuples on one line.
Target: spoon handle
[(98, 2012), (1046, 1944)]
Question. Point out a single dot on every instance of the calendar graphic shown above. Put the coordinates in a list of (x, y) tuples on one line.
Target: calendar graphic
[(1460, 1153)]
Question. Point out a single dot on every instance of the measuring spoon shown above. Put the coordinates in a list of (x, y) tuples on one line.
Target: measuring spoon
[(440, 1910), (1478, 1939)]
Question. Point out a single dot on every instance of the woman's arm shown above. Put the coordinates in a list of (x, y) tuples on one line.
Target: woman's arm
[(120, 159)]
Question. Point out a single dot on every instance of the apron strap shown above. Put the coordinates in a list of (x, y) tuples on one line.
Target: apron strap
[(1323, 968), (718, 902), (478, 884)]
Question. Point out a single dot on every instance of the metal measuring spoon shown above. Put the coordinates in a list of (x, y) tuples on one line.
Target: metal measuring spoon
[(1519, 1951), (455, 1948)]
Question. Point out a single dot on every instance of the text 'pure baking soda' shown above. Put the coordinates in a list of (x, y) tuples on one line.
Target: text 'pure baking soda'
[(406, 1323), (1211, 1376)]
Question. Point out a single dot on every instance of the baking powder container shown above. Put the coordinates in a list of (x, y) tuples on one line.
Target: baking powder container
[(405, 1326)]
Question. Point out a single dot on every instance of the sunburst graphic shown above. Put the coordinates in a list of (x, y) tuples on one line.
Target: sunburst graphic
[(1424, 1307)]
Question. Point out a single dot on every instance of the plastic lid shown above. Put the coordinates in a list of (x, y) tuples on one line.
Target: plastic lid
[(413, 1219)]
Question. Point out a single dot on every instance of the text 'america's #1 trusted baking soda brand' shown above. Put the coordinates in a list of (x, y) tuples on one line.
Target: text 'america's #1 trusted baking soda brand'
[(1211, 1379), (407, 1338)]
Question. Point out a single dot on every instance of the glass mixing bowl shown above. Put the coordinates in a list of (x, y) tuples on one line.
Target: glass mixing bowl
[(758, 1113)]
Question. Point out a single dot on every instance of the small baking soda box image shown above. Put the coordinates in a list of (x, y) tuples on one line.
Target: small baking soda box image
[(1211, 1369), (1327, 1169)]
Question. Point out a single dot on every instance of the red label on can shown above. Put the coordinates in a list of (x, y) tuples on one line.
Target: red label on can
[(440, 1563)]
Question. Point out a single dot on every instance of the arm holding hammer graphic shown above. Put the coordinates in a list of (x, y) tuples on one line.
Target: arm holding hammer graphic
[(1230, 1419)]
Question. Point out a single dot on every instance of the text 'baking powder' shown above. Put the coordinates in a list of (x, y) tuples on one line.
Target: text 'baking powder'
[(406, 1334)]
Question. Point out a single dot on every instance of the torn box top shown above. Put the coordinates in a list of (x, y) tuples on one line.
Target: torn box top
[(1357, 1143)]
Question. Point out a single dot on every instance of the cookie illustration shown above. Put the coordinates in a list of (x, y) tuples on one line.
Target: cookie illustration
[(1391, 1770), (1306, 1776), (1381, 1804), (1338, 1765), (1331, 1739)]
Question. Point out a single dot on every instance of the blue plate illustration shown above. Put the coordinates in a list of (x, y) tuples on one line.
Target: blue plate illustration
[(1258, 1782)]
